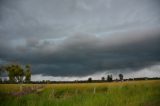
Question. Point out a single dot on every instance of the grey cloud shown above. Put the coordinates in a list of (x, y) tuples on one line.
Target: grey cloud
[(83, 54), (80, 37)]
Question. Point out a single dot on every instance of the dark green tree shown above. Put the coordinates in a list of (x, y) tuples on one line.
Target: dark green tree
[(89, 79), (121, 77), (109, 78), (28, 73), (102, 78), (2, 69), (15, 73)]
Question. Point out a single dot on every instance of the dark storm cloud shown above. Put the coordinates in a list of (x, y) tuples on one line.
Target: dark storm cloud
[(64, 38)]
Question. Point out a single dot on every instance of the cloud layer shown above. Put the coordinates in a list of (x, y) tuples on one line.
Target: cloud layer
[(80, 38)]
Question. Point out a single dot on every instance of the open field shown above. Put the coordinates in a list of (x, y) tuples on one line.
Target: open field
[(132, 93)]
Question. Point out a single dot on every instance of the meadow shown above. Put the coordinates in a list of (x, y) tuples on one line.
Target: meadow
[(129, 93)]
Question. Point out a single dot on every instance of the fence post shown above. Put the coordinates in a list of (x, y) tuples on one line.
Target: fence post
[(76, 91), (94, 91)]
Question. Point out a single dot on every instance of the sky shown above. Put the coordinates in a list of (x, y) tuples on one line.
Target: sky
[(77, 39)]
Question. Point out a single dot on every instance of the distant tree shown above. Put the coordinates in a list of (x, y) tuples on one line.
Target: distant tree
[(121, 77), (109, 78), (0, 80), (43, 81), (89, 79), (2, 69), (27, 74), (102, 78)]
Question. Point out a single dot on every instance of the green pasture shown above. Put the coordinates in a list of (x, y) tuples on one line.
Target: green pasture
[(131, 93)]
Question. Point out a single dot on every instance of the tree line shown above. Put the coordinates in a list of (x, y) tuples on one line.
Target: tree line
[(109, 78)]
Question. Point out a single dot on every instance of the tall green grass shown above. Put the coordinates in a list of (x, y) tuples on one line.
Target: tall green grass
[(137, 93)]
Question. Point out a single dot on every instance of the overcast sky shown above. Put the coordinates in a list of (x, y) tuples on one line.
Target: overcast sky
[(79, 38)]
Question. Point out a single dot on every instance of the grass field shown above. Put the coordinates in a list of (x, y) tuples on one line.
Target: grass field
[(133, 93)]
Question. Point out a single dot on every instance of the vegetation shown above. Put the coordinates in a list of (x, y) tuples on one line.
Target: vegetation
[(129, 93), (121, 77), (28, 73), (89, 79), (16, 73), (103, 79), (2, 69), (78, 93), (109, 78)]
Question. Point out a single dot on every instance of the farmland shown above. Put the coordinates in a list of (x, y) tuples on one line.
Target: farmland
[(131, 93)]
